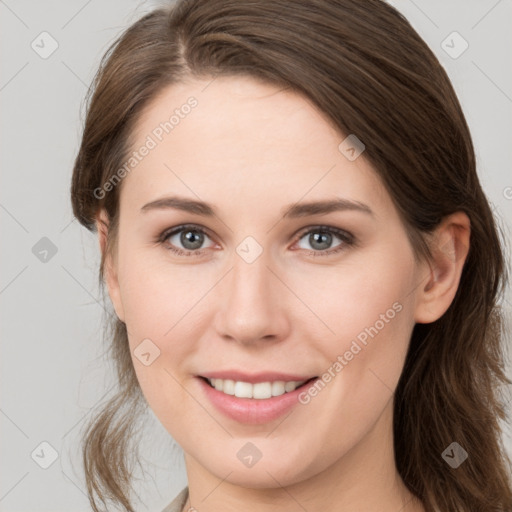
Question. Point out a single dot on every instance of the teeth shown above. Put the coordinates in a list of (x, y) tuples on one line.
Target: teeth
[(289, 386), (242, 389), (259, 391), (228, 387)]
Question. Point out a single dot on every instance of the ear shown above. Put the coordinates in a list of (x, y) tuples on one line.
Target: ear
[(450, 247), (110, 268)]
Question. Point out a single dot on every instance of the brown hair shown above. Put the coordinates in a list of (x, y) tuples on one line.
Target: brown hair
[(363, 65)]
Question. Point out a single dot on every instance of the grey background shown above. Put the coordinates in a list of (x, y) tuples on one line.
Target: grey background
[(52, 371)]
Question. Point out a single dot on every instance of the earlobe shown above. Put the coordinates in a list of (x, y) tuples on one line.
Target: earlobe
[(450, 247), (110, 271)]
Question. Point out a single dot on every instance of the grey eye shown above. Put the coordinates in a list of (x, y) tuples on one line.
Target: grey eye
[(319, 240), (189, 239)]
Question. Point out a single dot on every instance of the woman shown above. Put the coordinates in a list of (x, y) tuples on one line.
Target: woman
[(302, 262)]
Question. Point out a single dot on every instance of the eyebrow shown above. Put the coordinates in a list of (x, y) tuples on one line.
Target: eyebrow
[(291, 211)]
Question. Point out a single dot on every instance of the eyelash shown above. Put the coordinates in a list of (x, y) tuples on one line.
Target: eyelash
[(347, 239)]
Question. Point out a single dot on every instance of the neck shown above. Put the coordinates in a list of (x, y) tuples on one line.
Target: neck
[(365, 478)]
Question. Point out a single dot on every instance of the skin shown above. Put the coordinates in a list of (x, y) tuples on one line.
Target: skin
[(250, 149)]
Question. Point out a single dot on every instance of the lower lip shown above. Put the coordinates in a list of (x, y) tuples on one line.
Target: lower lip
[(251, 410)]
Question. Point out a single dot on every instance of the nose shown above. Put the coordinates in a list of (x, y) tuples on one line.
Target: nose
[(251, 304)]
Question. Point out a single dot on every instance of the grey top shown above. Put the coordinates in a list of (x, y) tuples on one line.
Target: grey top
[(177, 503)]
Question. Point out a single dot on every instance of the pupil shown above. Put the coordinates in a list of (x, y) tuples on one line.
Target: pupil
[(191, 237), (317, 237)]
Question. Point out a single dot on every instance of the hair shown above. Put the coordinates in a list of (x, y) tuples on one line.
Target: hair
[(367, 69)]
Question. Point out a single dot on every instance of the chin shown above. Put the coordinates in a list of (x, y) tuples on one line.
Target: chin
[(269, 472)]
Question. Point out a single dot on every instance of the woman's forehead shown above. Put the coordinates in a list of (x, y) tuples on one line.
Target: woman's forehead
[(246, 138)]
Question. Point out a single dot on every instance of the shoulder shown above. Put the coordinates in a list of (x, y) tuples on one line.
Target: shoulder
[(178, 503)]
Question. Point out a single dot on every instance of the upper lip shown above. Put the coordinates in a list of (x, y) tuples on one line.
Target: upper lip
[(255, 378)]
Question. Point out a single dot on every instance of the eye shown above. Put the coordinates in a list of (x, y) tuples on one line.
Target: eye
[(320, 238), (190, 237)]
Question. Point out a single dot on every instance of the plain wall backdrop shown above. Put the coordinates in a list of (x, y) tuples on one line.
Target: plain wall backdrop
[(52, 371)]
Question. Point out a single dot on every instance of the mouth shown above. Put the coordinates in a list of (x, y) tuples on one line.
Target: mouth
[(253, 399), (259, 390)]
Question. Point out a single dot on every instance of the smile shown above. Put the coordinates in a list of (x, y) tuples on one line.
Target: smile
[(259, 391), (268, 397)]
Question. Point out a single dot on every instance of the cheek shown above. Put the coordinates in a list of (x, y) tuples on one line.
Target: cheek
[(158, 295), (366, 297), (157, 299), (368, 308)]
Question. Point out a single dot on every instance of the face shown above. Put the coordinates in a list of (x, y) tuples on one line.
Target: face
[(257, 290)]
